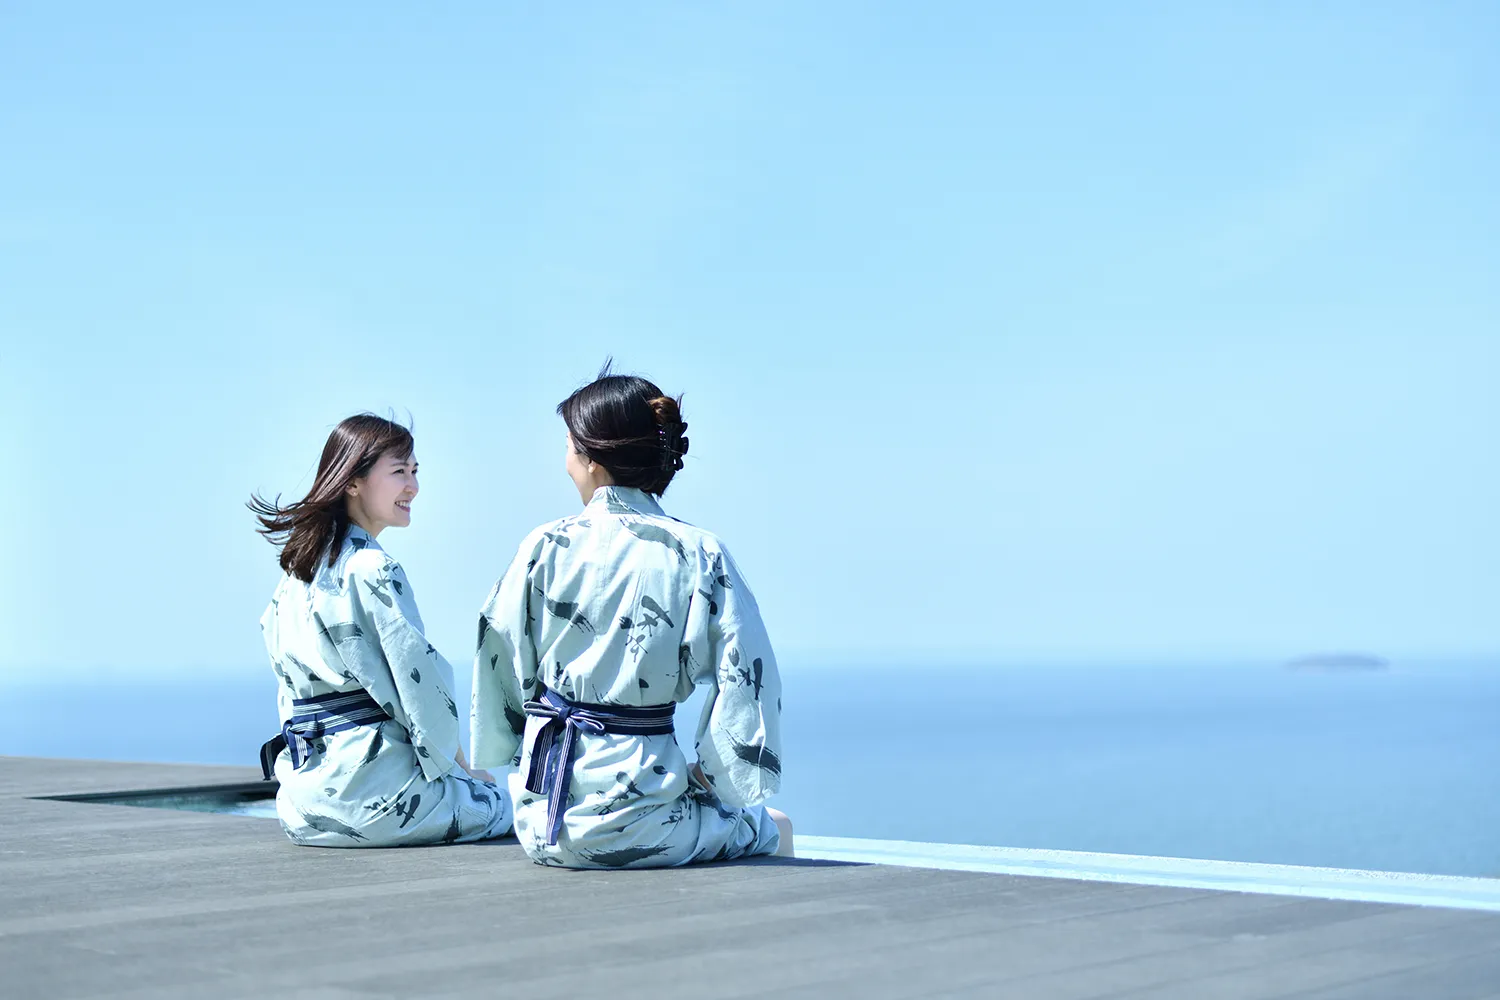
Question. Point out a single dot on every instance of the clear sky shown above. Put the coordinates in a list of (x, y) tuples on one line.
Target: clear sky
[(1008, 332)]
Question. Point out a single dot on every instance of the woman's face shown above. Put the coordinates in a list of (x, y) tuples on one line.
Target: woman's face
[(382, 499), (586, 475)]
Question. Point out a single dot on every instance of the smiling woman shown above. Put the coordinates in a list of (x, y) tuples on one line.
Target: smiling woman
[(368, 754), (367, 475)]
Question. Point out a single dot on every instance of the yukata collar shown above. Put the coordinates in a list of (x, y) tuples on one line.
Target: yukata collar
[(625, 499), (360, 538)]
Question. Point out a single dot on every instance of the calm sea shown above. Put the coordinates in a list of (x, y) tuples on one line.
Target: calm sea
[(1396, 770)]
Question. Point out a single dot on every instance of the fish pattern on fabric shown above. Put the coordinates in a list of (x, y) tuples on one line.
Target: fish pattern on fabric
[(623, 605), (356, 627)]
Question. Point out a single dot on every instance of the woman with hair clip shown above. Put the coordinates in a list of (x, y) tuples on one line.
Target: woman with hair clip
[(601, 625), (368, 754)]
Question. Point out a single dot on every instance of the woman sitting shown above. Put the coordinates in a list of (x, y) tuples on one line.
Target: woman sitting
[(602, 624), (369, 753)]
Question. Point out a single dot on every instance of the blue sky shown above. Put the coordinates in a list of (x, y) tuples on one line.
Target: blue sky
[(1113, 332)]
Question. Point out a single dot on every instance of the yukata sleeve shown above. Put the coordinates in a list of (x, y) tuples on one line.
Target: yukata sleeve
[(505, 663), (726, 647), (403, 671)]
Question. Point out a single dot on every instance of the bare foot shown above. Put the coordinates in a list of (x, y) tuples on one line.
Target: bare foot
[(784, 825)]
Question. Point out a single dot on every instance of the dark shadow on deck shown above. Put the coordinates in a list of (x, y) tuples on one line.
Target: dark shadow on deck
[(757, 862), (224, 797), (236, 793)]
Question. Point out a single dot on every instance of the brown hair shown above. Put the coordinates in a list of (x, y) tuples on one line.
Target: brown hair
[(629, 426), (318, 523)]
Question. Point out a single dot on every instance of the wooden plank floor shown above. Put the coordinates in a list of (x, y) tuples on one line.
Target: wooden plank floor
[(114, 901)]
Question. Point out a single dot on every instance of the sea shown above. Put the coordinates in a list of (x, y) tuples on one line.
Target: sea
[(1395, 769)]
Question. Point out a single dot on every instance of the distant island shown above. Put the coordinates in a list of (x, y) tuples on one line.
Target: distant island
[(1339, 661)]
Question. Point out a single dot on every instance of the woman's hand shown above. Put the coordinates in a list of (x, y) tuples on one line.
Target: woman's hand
[(476, 773)]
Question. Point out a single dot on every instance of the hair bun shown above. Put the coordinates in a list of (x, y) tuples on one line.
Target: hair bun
[(668, 413)]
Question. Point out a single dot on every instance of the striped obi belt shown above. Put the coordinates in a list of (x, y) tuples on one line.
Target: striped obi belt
[(314, 718), (552, 747)]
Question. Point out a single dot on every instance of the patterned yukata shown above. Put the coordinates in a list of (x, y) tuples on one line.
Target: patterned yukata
[(356, 628), (624, 606)]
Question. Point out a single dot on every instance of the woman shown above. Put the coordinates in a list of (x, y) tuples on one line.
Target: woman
[(369, 753), (605, 621)]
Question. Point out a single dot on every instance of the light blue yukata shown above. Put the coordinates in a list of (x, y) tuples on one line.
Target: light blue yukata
[(622, 605), (356, 629)]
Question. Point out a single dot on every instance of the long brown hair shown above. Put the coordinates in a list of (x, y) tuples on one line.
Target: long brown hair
[(318, 523)]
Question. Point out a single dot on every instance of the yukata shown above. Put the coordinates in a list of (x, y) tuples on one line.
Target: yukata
[(394, 781), (624, 607)]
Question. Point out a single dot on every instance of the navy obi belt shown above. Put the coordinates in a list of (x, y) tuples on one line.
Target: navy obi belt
[(552, 747), (313, 718)]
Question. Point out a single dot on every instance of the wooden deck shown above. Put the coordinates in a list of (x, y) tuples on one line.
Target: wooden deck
[(112, 901)]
